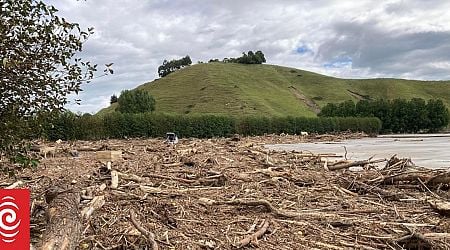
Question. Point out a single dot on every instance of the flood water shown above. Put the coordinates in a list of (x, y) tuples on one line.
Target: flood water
[(431, 150)]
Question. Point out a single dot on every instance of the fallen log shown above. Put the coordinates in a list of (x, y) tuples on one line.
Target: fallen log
[(355, 164), (63, 228)]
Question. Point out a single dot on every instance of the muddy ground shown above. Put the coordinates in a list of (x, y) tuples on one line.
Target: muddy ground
[(231, 193)]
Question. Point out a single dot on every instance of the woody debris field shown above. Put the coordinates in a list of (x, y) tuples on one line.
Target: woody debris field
[(230, 193)]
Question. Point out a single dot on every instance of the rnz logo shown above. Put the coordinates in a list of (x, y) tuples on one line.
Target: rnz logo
[(14, 219)]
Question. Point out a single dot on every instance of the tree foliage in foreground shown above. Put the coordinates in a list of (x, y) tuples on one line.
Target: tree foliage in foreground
[(135, 101), (398, 115), (39, 66), (169, 67)]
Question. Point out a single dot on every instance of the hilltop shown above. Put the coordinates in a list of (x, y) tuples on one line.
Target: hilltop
[(255, 89)]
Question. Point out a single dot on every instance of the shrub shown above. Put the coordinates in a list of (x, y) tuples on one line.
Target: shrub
[(135, 101)]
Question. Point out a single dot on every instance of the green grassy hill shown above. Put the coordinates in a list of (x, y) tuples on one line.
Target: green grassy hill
[(240, 89)]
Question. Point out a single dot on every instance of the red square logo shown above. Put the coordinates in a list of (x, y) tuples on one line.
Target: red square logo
[(14, 219)]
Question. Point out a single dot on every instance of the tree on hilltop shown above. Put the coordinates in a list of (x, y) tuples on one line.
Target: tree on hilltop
[(113, 99), (248, 58), (169, 67)]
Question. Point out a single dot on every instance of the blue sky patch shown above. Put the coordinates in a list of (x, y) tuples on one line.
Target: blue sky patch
[(303, 49), (339, 62)]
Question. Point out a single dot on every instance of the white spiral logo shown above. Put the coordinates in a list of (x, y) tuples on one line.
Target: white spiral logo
[(8, 219)]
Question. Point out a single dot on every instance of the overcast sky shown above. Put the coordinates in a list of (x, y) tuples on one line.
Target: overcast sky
[(344, 38)]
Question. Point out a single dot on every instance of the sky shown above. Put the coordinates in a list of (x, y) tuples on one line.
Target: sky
[(344, 38)]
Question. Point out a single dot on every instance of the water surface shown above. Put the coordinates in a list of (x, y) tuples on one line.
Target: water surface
[(431, 151)]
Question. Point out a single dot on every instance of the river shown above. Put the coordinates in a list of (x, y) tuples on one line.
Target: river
[(427, 150)]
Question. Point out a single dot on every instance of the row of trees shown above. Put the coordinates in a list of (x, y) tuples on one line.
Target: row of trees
[(169, 67), (398, 116)]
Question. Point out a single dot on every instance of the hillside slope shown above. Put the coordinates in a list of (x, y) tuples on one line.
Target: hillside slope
[(238, 89)]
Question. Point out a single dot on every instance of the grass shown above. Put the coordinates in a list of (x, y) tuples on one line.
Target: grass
[(238, 89)]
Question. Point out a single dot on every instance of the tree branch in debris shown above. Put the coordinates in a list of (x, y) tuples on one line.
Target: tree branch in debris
[(253, 238), (148, 235)]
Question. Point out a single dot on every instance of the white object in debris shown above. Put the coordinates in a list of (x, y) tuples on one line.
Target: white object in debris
[(172, 138), (303, 133)]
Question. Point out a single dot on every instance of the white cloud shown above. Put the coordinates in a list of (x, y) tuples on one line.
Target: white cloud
[(396, 38)]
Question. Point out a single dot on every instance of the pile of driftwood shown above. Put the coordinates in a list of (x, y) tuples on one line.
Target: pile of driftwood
[(231, 193)]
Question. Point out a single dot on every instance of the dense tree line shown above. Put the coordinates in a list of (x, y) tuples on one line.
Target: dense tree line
[(69, 126), (135, 101), (397, 116), (169, 67)]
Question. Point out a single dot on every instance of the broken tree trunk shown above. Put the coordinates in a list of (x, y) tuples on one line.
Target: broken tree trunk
[(63, 228), (95, 204)]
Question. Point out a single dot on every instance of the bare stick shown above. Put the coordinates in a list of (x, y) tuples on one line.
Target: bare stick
[(253, 238), (148, 235), (169, 178), (254, 203), (345, 156)]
